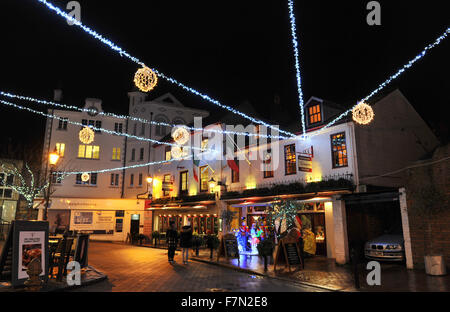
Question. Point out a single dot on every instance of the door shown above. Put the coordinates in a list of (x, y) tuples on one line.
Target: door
[(134, 225)]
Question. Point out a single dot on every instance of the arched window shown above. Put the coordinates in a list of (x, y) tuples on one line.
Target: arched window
[(161, 130)]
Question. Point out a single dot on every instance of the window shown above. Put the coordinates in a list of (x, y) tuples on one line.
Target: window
[(290, 163), (168, 153), (116, 153), (315, 115), (204, 144), (184, 182), (57, 177), (98, 125), (141, 154), (235, 174), (92, 179), (62, 124), (268, 167), (60, 148), (5, 191), (133, 154), (339, 150), (88, 151), (140, 179), (167, 185), (114, 179), (135, 128), (131, 179), (118, 127), (204, 178)]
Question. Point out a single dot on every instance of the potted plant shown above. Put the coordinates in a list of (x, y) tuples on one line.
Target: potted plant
[(227, 217), (265, 249), (212, 242), (156, 236), (197, 241)]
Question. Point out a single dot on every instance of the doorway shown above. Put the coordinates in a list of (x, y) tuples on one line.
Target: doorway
[(134, 224)]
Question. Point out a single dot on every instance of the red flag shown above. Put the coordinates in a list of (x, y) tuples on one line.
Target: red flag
[(232, 164)]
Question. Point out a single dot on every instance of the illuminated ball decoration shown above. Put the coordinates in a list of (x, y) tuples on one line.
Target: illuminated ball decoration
[(86, 135), (145, 79), (363, 113), (177, 152), (85, 177), (180, 135)]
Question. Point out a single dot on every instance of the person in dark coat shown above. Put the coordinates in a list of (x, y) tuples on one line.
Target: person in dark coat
[(172, 240), (186, 241)]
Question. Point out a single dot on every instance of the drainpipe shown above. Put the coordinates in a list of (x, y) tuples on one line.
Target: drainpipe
[(124, 161)]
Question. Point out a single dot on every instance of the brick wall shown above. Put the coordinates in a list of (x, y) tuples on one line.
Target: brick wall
[(430, 233)]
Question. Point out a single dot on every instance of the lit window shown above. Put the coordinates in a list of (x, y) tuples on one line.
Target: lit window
[(184, 182), (290, 159), (116, 153), (168, 154), (315, 115), (89, 151), (204, 178), (167, 185), (204, 144), (339, 150), (60, 148)]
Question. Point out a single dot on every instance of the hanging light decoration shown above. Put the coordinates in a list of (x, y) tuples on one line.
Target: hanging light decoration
[(86, 135), (179, 152), (145, 79), (363, 113), (181, 135), (85, 177)]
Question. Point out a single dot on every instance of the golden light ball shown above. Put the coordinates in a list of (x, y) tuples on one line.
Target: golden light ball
[(363, 114), (85, 177), (86, 135), (180, 135), (145, 79)]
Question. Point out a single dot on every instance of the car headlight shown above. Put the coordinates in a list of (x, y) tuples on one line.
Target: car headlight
[(393, 247)]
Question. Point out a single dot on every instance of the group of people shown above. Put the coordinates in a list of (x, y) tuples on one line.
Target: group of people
[(249, 238), (185, 238)]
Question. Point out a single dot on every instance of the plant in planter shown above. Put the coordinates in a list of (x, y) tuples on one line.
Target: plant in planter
[(212, 242), (265, 249), (197, 242), (156, 236), (227, 217), (427, 204)]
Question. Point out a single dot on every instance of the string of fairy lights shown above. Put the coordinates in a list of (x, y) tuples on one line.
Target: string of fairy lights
[(137, 119), (53, 116), (144, 77), (361, 105), (297, 62)]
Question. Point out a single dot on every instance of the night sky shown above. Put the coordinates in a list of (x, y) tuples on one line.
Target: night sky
[(234, 51)]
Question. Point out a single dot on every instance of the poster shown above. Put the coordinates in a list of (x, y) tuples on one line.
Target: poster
[(31, 246)]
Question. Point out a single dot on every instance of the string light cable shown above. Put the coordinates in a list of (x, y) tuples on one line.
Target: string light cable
[(137, 119), (98, 129), (390, 79), (297, 62), (123, 53)]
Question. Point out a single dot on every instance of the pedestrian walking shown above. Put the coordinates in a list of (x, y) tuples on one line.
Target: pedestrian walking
[(186, 240), (172, 240)]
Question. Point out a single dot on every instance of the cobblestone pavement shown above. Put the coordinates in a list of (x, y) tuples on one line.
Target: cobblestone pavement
[(139, 269)]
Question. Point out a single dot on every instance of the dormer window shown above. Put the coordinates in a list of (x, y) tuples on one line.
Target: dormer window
[(315, 114)]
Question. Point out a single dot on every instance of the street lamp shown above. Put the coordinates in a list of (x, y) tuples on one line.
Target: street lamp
[(149, 180), (53, 160), (212, 184)]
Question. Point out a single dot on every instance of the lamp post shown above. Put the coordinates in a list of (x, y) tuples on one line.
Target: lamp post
[(149, 181), (53, 160), (212, 184)]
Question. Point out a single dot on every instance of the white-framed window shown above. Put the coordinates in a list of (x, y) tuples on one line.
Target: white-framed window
[(114, 179), (92, 179), (5, 180), (62, 124), (118, 127)]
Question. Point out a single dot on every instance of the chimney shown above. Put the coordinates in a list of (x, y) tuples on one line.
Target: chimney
[(57, 95)]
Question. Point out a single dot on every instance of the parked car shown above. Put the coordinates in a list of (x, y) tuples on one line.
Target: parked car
[(388, 247)]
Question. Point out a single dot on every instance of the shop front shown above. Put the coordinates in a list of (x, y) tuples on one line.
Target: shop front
[(314, 220)]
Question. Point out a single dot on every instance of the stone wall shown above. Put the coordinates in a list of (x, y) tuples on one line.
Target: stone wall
[(430, 233)]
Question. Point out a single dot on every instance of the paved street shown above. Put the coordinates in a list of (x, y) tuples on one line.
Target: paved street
[(140, 269)]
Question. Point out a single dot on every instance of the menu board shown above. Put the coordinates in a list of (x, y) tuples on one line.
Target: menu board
[(231, 248), (293, 257)]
